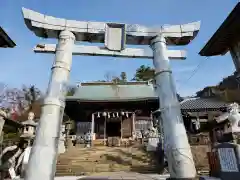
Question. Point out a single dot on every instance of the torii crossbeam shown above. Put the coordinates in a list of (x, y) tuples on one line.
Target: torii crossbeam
[(115, 36), (102, 51)]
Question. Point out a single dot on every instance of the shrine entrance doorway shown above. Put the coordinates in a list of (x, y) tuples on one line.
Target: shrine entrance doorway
[(113, 129)]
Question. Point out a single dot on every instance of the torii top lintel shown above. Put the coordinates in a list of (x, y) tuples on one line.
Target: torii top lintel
[(50, 27)]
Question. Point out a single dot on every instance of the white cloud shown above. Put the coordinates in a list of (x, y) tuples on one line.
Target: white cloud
[(187, 91)]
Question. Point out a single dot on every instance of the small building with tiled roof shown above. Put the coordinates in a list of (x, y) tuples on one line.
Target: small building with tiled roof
[(203, 105), (203, 111)]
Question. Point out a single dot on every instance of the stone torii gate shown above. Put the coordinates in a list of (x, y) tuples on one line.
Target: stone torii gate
[(115, 36)]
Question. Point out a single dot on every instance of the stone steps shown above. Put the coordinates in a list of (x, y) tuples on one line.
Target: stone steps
[(80, 161)]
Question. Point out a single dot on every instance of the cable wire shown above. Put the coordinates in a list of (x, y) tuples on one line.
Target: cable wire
[(194, 71)]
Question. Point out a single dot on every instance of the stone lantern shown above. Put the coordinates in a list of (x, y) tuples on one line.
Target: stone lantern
[(61, 142), (68, 125), (29, 128)]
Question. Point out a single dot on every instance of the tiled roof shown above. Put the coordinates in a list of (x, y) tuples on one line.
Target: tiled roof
[(202, 104), (226, 35), (30, 122), (114, 92), (5, 40), (138, 92)]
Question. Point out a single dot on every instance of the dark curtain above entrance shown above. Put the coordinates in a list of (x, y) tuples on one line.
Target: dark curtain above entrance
[(83, 127)]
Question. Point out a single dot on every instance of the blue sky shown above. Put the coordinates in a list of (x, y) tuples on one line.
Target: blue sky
[(22, 66)]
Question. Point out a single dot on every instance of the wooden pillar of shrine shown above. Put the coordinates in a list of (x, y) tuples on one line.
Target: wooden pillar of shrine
[(92, 127), (133, 125), (121, 119), (105, 126)]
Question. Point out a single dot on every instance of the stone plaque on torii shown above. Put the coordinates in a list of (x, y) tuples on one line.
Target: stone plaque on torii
[(115, 36)]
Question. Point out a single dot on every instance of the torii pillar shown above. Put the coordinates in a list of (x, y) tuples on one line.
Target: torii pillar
[(226, 39), (42, 163)]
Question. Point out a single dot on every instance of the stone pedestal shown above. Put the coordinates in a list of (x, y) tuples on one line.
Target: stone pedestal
[(94, 136), (152, 143), (25, 161), (69, 143), (236, 137), (61, 143), (114, 141), (229, 158), (61, 146)]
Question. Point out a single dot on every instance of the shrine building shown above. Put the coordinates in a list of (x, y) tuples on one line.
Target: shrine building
[(124, 110), (109, 109)]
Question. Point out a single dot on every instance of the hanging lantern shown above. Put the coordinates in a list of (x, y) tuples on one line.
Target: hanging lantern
[(104, 114), (108, 115), (113, 115), (98, 115), (122, 113), (127, 114), (117, 114)]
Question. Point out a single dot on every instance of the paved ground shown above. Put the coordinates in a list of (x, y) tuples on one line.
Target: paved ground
[(125, 176), (117, 176)]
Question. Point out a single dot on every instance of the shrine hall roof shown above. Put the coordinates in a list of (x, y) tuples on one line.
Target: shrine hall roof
[(30, 122), (5, 40), (226, 35), (114, 92)]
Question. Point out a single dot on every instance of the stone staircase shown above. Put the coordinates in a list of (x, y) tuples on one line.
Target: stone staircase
[(84, 161)]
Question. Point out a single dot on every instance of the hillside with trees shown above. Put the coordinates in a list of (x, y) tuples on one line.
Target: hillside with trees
[(143, 73), (228, 90)]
